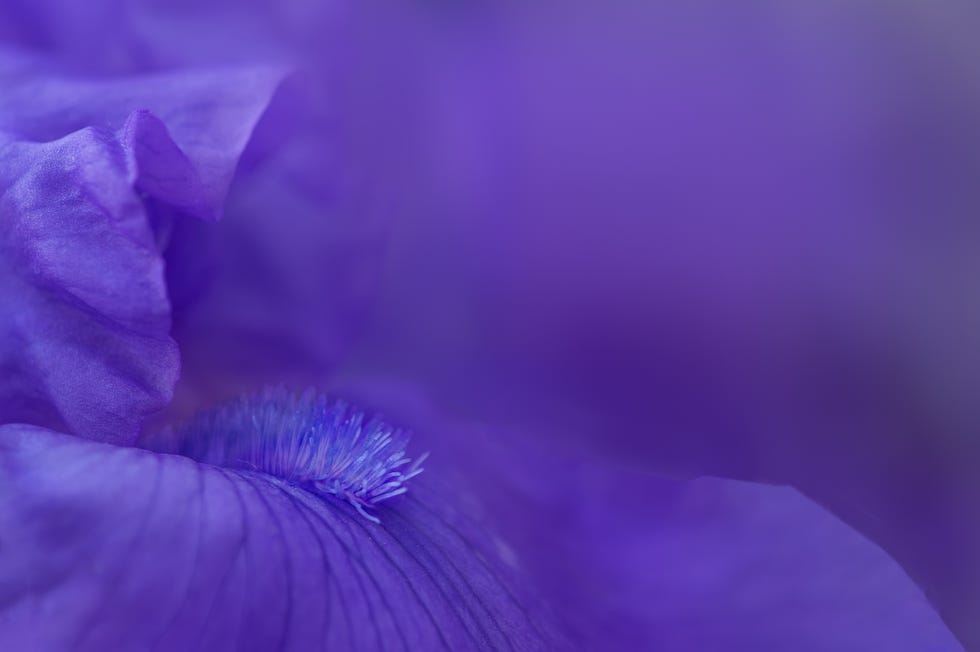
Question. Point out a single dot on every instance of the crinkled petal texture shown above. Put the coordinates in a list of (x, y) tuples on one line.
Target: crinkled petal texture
[(121, 548), (86, 317), (209, 116), (85, 329)]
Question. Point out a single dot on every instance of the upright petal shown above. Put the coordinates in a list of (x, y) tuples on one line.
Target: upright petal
[(86, 319), (278, 289), (83, 210), (209, 116)]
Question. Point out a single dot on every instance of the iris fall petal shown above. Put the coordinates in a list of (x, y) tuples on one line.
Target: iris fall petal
[(132, 549)]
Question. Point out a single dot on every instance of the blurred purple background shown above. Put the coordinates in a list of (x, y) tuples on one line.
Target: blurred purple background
[(686, 238)]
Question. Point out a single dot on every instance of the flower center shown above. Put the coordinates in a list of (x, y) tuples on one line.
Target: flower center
[(324, 444)]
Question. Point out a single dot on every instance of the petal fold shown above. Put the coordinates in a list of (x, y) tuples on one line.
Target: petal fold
[(90, 173), (86, 319), (209, 114)]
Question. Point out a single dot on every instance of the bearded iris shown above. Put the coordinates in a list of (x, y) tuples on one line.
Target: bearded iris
[(322, 443), (412, 220)]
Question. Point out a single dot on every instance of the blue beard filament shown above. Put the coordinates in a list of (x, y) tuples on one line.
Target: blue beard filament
[(319, 443)]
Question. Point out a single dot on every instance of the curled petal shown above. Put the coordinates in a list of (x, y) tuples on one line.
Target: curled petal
[(134, 549), (209, 116), (86, 315), (286, 278), (86, 318)]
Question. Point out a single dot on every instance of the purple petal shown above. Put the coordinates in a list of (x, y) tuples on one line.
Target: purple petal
[(87, 346), (132, 549), (208, 115), (717, 564), (636, 561), (277, 290), (86, 319)]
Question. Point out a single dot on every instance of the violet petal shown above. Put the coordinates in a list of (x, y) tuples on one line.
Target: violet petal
[(86, 321), (86, 312), (636, 561), (209, 117), (133, 549), (277, 290)]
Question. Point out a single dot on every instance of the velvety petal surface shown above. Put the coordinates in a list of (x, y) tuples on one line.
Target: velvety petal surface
[(128, 549)]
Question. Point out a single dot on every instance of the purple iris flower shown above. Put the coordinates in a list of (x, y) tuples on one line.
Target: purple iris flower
[(675, 301)]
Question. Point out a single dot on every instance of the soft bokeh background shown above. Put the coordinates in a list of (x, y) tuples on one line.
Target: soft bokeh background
[(685, 238)]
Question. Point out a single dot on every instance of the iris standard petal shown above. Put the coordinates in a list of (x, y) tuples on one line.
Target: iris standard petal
[(86, 343), (121, 548), (188, 162), (86, 320), (276, 291)]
